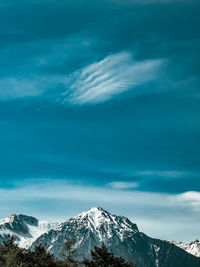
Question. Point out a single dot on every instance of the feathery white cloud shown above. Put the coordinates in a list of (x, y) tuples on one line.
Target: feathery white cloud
[(109, 77)]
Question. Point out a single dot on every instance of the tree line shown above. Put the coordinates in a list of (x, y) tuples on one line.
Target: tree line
[(11, 255)]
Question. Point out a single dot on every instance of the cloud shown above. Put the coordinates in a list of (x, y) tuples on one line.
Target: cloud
[(95, 83), (31, 86), (123, 185), (166, 174), (13, 87), (38, 68), (191, 198), (115, 74)]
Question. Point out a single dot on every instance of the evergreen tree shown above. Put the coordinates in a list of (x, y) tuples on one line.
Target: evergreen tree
[(101, 257), (13, 256), (41, 258), (69, 254)]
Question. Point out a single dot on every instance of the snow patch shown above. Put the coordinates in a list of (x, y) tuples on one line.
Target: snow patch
[(35, 232), (157, 249), (190, 247)]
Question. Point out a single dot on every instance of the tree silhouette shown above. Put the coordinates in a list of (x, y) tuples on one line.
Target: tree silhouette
[(69, 254), (13, 256), (101, 257)]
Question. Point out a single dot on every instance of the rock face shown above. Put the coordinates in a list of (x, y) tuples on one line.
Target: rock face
[(25, 229), (119, 234)]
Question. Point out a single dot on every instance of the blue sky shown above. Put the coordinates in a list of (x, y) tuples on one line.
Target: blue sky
[(100, 106)]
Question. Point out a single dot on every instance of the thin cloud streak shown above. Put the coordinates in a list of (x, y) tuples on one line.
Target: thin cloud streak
[(123, 185), (166, 174), (103, 80)]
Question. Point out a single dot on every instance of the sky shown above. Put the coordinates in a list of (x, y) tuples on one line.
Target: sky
[(100, 106)]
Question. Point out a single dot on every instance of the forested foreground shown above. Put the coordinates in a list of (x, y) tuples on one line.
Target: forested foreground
[(13, 256)]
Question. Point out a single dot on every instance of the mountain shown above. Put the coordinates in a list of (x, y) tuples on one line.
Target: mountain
[(191, 247), (94, 227), (119, 234), (25, 229)]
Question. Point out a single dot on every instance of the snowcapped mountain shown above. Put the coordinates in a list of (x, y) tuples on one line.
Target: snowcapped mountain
[(93, 227), (25, 229), (119, 234), (88, 229), (191, 247)]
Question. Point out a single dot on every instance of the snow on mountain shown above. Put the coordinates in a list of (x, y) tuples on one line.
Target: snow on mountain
[(103, 223), (91, 228), (95, 226), (88, 229), (191, 247), (25, 229)]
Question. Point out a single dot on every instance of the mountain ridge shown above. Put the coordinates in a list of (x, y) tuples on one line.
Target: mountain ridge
[(90, 229), (25, 229)]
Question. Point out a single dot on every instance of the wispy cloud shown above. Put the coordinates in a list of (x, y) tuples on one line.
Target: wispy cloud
[(13, 87), (115, 74), (166, 174), (43, 68), (94, 83), (123, 185), (30, 86)]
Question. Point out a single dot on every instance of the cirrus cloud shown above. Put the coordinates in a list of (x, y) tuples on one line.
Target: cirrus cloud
[(115, 74)]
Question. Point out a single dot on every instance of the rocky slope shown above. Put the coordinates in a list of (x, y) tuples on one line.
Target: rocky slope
[(25, 229)]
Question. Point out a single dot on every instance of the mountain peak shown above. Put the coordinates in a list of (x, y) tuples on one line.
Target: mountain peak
[(97, 218), (90, 228), (9, 219), (19, 218), (95, 210)]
